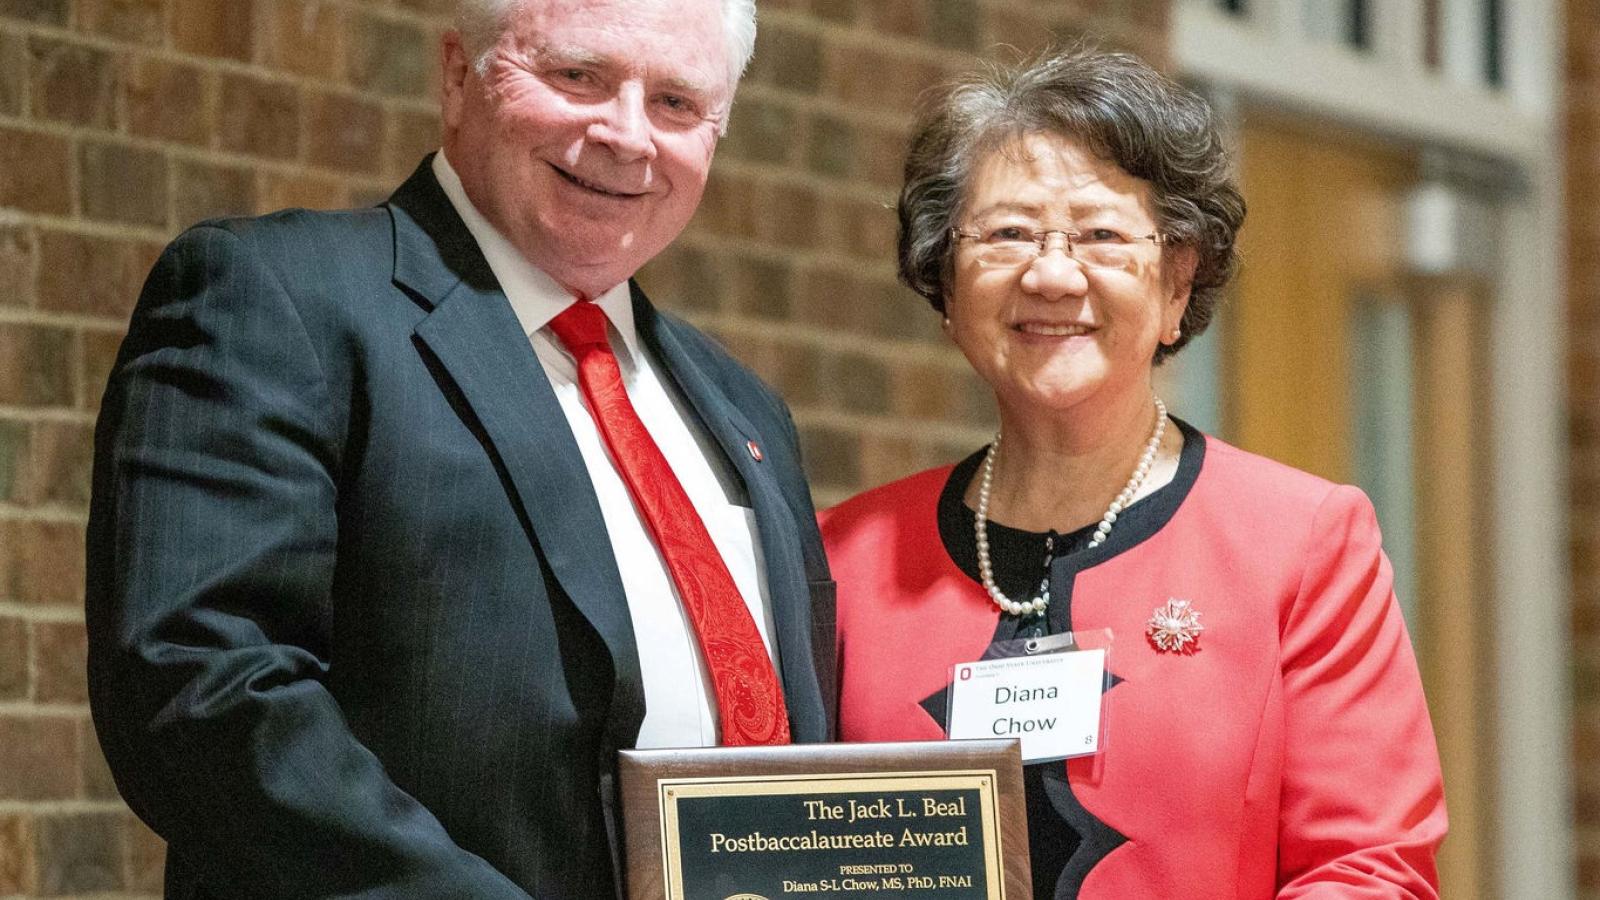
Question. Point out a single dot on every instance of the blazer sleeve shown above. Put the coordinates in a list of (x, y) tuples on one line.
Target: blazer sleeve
[(1362, 809), (212, 542)]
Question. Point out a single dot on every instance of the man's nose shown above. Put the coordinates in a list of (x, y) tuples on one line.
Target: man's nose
[(624, 126)]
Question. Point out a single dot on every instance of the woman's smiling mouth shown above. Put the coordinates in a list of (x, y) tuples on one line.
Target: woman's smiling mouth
[(1047, 329)]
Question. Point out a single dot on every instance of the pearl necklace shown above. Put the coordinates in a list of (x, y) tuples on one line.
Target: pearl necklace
[(1101, 532)]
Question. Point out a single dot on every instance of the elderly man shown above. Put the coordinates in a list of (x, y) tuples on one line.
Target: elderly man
[(406, 519)]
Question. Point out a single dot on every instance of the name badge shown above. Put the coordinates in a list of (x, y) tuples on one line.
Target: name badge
[(1051, 702)]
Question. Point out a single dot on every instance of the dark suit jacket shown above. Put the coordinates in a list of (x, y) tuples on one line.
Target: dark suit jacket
[(355, 626)]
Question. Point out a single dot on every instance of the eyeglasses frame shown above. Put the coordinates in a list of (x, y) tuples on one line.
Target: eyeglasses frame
[(1041, 239)]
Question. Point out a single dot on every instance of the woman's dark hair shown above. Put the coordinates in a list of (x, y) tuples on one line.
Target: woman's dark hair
[(1112, 104)]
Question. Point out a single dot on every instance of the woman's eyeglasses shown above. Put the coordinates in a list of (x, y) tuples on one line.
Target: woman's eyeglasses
[(1096, 248)]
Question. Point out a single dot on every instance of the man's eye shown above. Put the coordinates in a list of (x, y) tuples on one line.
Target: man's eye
[(680, 109)]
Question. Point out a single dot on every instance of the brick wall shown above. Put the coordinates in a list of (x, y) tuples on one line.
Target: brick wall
[(1583, 210), (121, 121)]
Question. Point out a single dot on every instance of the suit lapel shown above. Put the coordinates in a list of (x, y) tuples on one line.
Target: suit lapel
[(476, 337), (780, 540)]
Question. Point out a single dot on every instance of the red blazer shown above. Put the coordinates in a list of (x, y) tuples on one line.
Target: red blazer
[(1291, 755)]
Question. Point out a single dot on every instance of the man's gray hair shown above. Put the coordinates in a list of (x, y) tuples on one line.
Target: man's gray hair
[(482, 21)]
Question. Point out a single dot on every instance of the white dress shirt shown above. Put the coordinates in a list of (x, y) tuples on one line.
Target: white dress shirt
[(680, 708)]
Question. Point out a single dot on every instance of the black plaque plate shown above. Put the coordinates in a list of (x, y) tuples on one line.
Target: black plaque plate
[(938, 821)]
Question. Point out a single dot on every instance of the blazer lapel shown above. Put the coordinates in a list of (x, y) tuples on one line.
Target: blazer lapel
[(787, 588), (476, 337)]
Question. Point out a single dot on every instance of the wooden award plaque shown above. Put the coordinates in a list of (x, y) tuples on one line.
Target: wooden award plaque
[(942, 820)]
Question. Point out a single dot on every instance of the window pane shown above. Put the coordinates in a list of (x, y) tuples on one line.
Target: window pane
[(1432, 43), (1381, 382), (1347, 22), (1358, 30), (1493, 42)]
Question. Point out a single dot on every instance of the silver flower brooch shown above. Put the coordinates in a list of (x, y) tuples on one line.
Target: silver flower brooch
[(1175, 627)]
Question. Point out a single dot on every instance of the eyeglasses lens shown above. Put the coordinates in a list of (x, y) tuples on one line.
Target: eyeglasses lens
[(1016, 253)]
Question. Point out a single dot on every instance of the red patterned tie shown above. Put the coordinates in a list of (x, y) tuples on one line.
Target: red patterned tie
[(749, 700)]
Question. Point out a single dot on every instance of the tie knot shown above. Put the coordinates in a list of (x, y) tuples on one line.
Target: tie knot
[(581, 325)]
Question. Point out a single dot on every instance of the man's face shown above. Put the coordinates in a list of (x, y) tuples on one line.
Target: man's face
[(588, 138)]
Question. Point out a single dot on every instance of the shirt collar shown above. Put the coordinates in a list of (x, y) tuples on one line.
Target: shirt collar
[(535, 297)]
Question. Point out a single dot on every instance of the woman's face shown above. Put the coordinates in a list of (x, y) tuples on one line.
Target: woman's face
[(1052, 334)]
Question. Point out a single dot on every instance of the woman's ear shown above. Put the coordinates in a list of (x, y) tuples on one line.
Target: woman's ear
[(1178, 278), (1179, 274)]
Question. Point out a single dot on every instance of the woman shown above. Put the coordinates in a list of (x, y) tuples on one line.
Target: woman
[(1264, 733)]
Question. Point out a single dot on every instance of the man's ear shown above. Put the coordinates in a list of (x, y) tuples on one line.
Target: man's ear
[(455, 68)]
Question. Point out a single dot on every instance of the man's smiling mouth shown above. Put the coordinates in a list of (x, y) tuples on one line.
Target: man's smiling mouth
[(591, 186)]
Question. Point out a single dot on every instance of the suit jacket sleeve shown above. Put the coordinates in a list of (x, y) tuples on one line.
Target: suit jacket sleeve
[(1363, 801), (212, 548)]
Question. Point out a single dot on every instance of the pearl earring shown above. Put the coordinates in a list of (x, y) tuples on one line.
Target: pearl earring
[(1176, 334)]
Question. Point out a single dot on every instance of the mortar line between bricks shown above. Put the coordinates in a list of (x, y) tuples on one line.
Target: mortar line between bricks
[(89, 227), (700, 238), (172, 192), (127, 893), (30, 663), (26, 95), (49, 515), (861, 34), (63, 807), (259, 71), (33, 612), (187, 153), (944, 355), (891, 121), (394, 14), (879, 425), (261, 165), (360, 7), (13, 315), (789, 176), (53, 415), (29, 709)]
